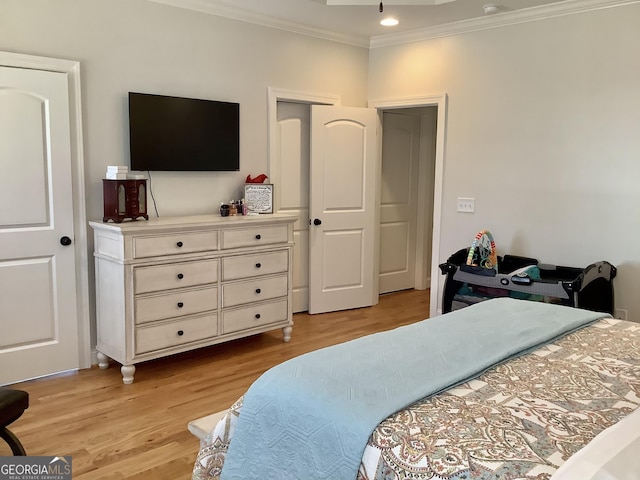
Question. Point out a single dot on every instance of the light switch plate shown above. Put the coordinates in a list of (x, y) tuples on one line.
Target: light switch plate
[(466, 205)]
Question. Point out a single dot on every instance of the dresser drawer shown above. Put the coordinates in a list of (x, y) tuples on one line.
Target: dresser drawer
[(174, 244), (254, 290), (157, 307), (244, 266), (174, 275), (157, 337), (255, 236), (254, 316)]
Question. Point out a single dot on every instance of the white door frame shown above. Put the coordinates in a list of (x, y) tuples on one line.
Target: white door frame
[(72, 70), (440, 101)]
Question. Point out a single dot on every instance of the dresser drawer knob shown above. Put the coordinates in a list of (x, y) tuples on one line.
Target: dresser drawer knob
[(180, 304), (257, 315), (258, 290), (258, 265), (180, 333), (258, 237), (180, 276), (179, 244)]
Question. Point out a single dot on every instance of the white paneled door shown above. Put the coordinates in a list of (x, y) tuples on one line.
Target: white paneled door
[(292, 164), (398, 201), (342, 231), (38, 311)]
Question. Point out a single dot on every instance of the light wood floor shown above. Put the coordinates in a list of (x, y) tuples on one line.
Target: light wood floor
[(139, 431)]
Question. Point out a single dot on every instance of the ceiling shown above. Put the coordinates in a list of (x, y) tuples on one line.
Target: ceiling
[(358, 21)]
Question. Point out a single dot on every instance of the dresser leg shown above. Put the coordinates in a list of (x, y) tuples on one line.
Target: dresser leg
[(103, 361), (127, 373), (286, 333)]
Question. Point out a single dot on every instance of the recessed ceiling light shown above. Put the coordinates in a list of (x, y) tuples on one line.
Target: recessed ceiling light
[(389, 22), (490, 8)]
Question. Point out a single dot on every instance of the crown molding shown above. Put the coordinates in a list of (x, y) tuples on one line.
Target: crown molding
[(214, 8), (568, 7)]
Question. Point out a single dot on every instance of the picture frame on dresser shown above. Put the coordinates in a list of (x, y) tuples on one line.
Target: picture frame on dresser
[(259, 197)]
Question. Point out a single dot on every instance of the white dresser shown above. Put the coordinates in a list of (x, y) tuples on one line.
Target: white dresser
[(169, 285)]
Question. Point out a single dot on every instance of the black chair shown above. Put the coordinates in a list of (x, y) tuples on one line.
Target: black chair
[(12, 404)]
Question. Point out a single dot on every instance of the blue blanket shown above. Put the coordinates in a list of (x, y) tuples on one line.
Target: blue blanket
[(310, 417)]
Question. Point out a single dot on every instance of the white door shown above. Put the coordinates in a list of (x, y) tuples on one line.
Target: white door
[(38, 312), (398, 201), (292, 164), (343, 215)]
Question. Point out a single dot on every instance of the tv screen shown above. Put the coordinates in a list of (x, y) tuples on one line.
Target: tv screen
[(183, 134)]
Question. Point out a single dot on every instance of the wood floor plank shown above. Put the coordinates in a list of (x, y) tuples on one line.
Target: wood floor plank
[(139, 431)]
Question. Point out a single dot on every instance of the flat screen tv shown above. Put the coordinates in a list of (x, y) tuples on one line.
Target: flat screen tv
[(183, 134)]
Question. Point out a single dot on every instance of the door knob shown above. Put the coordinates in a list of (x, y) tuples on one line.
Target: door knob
[(65, 241), (317, 221)]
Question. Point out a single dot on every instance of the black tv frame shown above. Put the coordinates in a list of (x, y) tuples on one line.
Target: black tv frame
[(168, 133)]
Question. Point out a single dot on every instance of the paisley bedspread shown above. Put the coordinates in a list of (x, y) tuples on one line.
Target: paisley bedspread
[(518, 420)]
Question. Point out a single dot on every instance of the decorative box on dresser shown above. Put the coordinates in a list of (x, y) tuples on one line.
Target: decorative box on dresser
[(170, 285)]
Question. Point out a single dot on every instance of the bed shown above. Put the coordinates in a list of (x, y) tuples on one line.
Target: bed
[(531, 402)]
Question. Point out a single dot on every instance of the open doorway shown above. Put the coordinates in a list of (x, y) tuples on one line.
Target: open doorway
[(406, 197), (289, 124)]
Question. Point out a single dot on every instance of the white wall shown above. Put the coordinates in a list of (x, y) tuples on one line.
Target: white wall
[(543, 116), (136, 45), (542, 131)]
